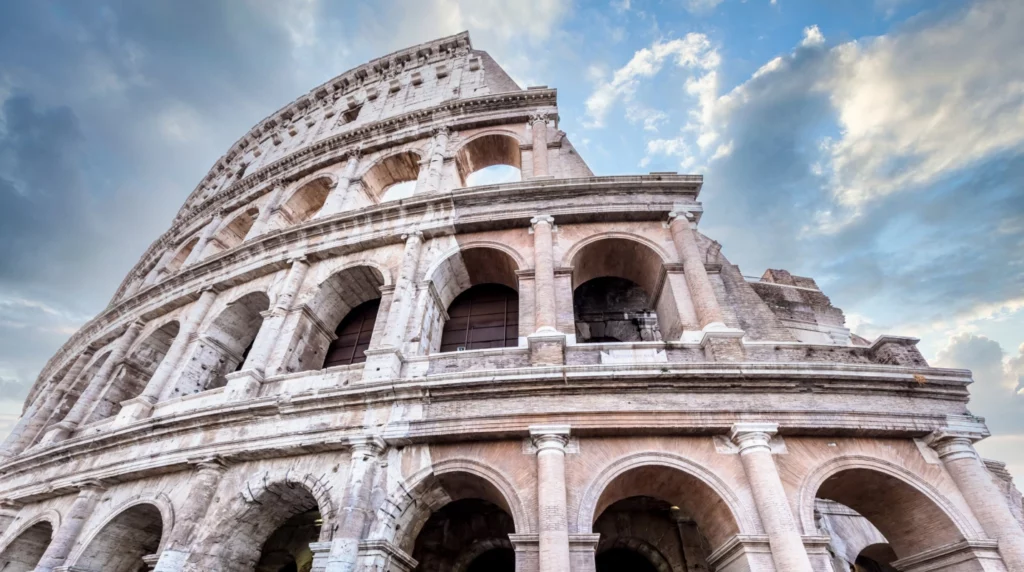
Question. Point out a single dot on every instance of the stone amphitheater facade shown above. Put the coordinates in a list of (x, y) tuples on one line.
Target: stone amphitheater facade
[(341, 357)]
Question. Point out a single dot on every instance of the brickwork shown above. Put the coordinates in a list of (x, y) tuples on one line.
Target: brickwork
[(191, 426)]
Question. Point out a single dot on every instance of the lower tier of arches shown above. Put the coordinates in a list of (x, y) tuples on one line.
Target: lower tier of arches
[(749, 501)]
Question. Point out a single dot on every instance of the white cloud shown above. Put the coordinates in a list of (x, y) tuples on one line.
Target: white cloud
[(693, 52), (702, 6), (812, 37), (620, 5)]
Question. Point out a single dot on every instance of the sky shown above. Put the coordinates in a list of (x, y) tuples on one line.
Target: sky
[(874, 145)]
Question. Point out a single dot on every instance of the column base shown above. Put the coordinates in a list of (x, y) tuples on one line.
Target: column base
[(721, 343), (743, 552), (321, 552), (57, 433), (964, 556), (527, 548), (133, 410), (382, 555), (546, 348), (243, 384), (383, 364)]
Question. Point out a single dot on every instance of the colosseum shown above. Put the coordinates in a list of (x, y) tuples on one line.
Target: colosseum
[(343, 355)]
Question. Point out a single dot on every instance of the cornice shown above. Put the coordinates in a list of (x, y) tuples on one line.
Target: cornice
[(563, 381)]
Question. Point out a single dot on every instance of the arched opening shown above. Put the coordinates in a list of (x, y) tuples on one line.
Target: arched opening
[(480, 292), (896, 509), (304, 203), (70, 398), (485, 316), (489, 160), (271, 532), (875, 558), (348, 303), (616, 288), (136, 371), (394, 177), (353, 335), (181, 256), (123, 542), (224, 346), (456, 521), (668, 517), (233, 233), (24, 552)]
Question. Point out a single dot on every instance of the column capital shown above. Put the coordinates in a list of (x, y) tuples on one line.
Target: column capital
[(367, 445), (409, 236), (682, 216), (751, 436), (442, 130), (301, 259), (215, 464), (10, 505), (136, 325), (90, 487), (546, 437), (542, 219), (539, 117), (953, 445)]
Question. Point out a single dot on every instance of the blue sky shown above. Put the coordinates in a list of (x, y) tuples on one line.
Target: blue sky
[(877, 146)]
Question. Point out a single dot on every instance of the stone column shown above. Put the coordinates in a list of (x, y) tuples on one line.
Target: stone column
[(266, 212), (70, 527), (405, 289), (142, 405), (385, 362), (355, 503), (202, 487), (36, 416), (204, 238), (158, 268), (436, 162), (701, 292), (545, 318), (787, 546), (96, 386), (270, 330), (338, 198), (9, 510), (539, 127), (552, 516), (985, 499)]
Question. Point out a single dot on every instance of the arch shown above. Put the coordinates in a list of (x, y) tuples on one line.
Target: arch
[(182, 254), (617, 280), (24, 546), (477, 549), (481, 262), (224, 344), (720, 520), (487, 149), (893, 489), (876, 558), (264, 503), (333, 300), (233, 231), (410, 505), (136, 370), (134, 529), (305, 201), (390, 170)]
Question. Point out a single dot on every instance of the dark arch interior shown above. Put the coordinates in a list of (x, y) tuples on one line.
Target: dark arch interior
[(484, 316), (354, 333), (306, 201), (391, 171), (456, 532), (24, 553), (613, 309), (287, 549), (494, 560), (121, 544), (623, 560)]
